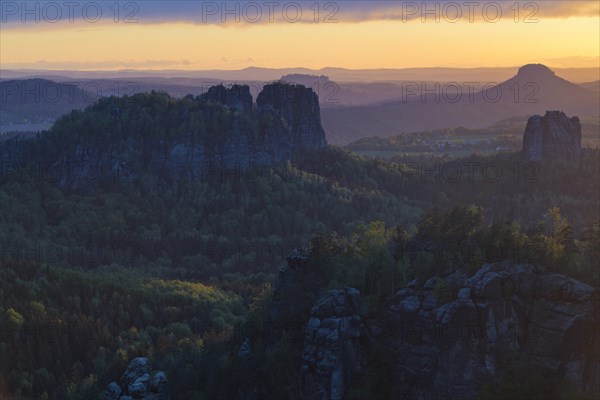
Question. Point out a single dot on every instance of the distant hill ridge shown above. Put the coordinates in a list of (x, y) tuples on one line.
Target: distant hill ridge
[(40, 100), (335, 73), (533, 90)]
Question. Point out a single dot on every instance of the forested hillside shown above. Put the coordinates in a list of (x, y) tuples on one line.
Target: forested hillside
[(181, 267)]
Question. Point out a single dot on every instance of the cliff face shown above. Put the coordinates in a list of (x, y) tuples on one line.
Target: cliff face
[(453, 348), (442, 348), (332, 343), (553, 136), (237, 97), (299, 110), (219, 132), (333, 351)]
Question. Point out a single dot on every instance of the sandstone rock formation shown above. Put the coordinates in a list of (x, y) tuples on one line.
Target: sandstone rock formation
[(448, 337), (285, 121), (299, 108), (237, 97), (553, 136), (450, 349), (139, 382), (295, 125), (333, 352)]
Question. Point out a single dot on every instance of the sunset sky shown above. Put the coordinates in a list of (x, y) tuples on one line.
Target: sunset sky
[(376, 34)]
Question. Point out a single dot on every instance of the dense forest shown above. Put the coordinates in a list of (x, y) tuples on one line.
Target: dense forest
[(182, 270)]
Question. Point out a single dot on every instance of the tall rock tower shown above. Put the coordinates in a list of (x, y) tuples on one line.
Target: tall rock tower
[(553, 136)]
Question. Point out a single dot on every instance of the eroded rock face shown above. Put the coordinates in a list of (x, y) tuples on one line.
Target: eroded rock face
[(553, 136), (333, 352), (285, 122), (299, 108), (449, 349), (237, 96), (139, 382), (295, 125)]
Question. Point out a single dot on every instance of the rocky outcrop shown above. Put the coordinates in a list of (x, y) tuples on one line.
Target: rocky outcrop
[(237, 97), (333, 349), (553, 136), (299, 109), (333, 341), (290, 292), (139, 382), (216, 136), (449, 349)]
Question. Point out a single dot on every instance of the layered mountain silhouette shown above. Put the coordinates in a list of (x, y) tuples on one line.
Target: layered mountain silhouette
[(581, 74), (350, 110), (420, 107)]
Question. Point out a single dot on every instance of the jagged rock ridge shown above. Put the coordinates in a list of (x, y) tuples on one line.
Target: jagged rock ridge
[(449, 347)]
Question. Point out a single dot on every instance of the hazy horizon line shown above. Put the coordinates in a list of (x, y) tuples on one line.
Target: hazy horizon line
[(284, 68)]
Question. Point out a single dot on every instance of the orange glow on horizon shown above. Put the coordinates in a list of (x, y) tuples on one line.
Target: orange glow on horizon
[(364, 45)]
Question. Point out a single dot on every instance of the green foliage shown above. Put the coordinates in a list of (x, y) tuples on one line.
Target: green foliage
[(460, 239), (14, 320), (183, 264), (131, 322)]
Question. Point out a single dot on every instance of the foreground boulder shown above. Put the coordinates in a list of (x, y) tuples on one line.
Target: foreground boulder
[(139, 382), (449, 337), (553, 136)]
